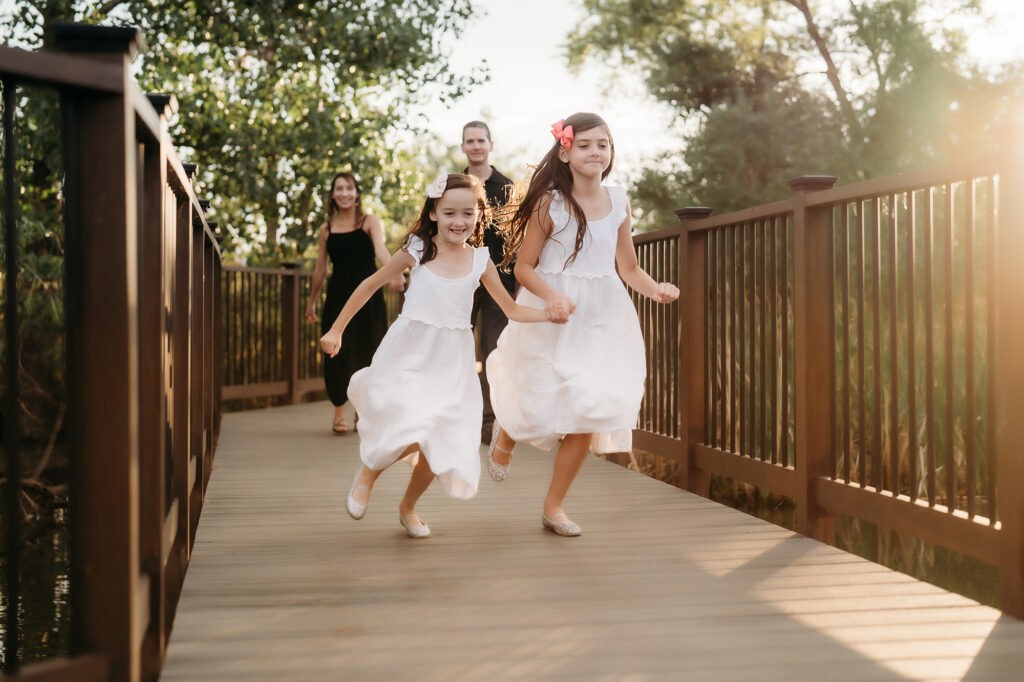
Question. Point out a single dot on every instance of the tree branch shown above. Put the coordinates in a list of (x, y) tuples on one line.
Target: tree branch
[(856, 132)]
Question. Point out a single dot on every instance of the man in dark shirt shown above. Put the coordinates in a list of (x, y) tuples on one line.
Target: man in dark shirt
[(487, 316)]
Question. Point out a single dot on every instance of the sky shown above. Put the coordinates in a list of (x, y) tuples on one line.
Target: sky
[(531, 85)]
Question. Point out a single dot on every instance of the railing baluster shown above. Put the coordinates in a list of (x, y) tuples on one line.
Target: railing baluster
[(894, 347), (912, 454), (12, 396), (876, 319), (787, 393), (968, 247), (948, 355), (992, 258), (774, 322), (847, 426), (861, 352), (929, 343)]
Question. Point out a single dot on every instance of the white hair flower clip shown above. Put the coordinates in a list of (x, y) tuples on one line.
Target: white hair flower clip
[(437, 187)]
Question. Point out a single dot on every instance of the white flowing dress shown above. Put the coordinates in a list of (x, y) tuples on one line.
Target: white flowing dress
[(422, 386), (586, 376)]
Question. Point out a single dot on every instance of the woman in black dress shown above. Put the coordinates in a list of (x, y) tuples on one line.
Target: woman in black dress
[(351, 238)]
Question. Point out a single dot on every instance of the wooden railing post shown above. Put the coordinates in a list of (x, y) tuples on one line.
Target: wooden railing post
[(290, 332), (197, 365), (813, 350), (101, 292), (153, 365), (692, 352), (1010, 382)]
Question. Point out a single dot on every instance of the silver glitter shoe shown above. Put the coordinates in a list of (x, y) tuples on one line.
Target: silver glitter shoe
[(499, 472), (421, 530), (561, 527), (355, 508)]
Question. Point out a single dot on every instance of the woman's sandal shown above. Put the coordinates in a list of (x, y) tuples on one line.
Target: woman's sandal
[(340, 428)]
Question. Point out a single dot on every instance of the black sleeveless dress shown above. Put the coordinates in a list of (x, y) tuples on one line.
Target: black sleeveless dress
[(352, 261)]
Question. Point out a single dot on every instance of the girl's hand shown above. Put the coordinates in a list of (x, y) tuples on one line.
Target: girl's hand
[(666, 293), (558, 309), (397, 285), (330, 343), (311, 314)]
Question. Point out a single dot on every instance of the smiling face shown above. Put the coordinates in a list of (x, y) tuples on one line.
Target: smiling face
[(590, 153), (344, 193), (476, 145), (456, 214)]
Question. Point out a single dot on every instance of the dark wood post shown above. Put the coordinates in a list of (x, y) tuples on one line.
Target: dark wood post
[(1010, 383), (813, 350), (181, 353), (290, 332), (102, 331), (197, 368), (692, 351), (209, 375), (153, 407)]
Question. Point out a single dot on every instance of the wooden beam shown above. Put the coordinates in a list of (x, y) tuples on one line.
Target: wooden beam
[(778, 479)]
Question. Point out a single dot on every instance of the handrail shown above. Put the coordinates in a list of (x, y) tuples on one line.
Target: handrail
[(817, 334), (270, 350), (143, 363)]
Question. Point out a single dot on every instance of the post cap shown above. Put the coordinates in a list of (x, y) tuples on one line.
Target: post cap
[(190, 169), (204, 204), (289, 265), (812, 183), (165, 105), (694, 212), (70, 36)]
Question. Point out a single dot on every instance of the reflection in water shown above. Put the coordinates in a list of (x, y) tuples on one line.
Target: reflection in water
[(44, 613)]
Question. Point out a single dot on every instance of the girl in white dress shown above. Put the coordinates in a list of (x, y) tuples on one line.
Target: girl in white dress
[(421, 393), (580, 383)]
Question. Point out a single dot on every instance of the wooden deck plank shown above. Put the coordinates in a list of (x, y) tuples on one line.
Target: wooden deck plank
[(663, 585)]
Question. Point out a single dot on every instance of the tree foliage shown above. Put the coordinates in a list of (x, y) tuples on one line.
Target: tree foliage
[(774, 89), (275, 96)]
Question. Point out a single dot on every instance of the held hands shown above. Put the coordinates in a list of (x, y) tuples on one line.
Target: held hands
[(666, 293), (330, 343), (559, 309), (397, 284)]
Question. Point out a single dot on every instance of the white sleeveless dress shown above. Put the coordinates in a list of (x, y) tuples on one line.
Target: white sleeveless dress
[(586, 376), (422, 386)]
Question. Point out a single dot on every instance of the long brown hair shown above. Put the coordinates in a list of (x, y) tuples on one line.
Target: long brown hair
[(425, 228), (552, 173), (332, 207)]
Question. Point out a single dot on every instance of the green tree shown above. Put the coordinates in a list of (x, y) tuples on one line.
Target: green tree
[(275, 96), (773, 89)]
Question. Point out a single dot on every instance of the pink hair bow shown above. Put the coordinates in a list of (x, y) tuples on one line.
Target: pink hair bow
[(562, 133)]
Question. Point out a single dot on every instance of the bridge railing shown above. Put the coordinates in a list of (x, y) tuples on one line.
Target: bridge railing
[(141, 269), (856, 349), (270, 350)]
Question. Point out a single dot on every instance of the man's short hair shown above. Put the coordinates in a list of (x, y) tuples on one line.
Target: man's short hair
[(476, 124)]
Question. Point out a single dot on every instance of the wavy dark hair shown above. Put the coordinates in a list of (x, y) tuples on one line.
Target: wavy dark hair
[(425, 228), (552, 173), (332, 208)]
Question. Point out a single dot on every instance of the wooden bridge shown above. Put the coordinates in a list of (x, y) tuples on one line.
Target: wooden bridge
[(854, 348), (662, 585)]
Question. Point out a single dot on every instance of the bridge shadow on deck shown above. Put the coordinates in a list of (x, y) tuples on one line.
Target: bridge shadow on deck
[(663, 585)]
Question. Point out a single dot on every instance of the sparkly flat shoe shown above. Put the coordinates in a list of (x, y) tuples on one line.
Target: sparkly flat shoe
[(499, 472), (418, 531), (563, 526), (355, 508)]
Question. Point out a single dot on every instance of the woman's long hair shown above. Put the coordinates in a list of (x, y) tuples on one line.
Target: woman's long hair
[(332, 207), (425, 228), (552, 173)]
